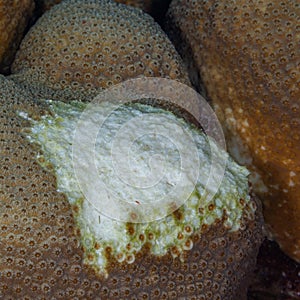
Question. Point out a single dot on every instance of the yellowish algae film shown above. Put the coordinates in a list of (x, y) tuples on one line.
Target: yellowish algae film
[(54, 133)]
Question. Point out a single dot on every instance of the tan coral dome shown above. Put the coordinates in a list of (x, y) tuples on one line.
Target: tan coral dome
[(40, 250), (90, 45), (247, 54), (14, 16)]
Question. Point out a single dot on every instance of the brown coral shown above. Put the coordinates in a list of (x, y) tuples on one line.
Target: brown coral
[(41, 256), (90, 45), (14, 16), (247, 54)]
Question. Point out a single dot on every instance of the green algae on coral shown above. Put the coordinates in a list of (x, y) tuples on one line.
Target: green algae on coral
[(54, 133)]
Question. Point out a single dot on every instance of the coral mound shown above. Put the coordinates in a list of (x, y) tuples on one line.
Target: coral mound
[(86, 46), (248, 57)]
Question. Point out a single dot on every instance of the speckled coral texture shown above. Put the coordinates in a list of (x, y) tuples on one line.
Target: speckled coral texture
[(41, 256), (247, 54), (90, 45)]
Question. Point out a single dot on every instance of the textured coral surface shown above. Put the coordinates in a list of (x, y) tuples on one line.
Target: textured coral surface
[(247, 54), (90, 45), (40, 253), (14, 16)]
